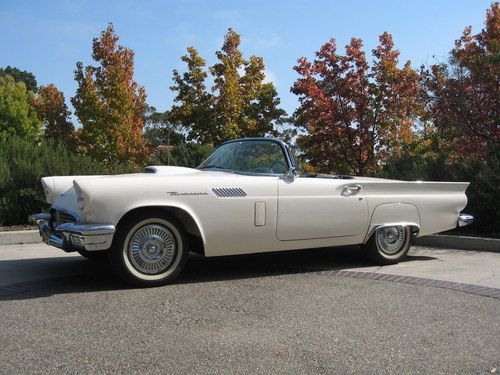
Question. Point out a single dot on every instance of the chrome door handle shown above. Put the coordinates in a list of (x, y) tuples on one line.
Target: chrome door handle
[(351, 190)]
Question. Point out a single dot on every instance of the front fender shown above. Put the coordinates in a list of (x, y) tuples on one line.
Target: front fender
[(179, 209)]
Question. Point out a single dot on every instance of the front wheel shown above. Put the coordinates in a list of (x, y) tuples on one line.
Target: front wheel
[(149, 250), (389, 245)]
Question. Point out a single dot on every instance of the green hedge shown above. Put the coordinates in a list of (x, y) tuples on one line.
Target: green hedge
[(23, 163)]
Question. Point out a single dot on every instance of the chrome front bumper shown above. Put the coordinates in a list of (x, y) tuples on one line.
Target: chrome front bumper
[(74, 236), (464, 219)]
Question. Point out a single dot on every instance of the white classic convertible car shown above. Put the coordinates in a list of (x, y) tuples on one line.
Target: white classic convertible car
[(247, 197)]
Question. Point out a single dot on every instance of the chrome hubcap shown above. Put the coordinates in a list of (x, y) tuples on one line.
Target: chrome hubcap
[(152, 249), (391, 240)]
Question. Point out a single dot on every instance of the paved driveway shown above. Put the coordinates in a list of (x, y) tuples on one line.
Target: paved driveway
[(291, 312)]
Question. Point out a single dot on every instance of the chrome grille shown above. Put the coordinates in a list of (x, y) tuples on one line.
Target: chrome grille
[(229, 192), (60, 217)]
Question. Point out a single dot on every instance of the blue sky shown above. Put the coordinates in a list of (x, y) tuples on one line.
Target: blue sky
[(49, 37)]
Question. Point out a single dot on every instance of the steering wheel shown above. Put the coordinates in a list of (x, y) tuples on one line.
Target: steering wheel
[(275, 163)]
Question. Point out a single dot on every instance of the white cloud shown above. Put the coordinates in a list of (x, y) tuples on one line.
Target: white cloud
[(228, 15), (270, 76), (270, 42)]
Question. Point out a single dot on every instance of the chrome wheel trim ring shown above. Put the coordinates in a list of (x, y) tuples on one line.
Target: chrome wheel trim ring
[(391, 240), (152, 249)]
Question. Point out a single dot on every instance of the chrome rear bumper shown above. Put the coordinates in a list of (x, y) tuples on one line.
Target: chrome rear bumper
[(74, 236), (464, 219)]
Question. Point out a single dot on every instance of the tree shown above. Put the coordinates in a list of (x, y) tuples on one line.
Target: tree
[(230, 102), (20, 76), (110, 104), (54, 113), (169, 142), (159, 130), (194, 110), (464, 95), (18, 115), (356, 113), (239, 104)]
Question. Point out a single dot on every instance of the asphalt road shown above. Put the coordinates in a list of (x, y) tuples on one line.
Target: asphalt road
[(248, 315)]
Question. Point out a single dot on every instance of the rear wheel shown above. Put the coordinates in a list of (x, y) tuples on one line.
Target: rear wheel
[(388, 245), (150, 249)]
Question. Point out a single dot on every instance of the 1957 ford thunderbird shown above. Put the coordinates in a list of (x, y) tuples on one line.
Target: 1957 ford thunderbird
[(246, 197)]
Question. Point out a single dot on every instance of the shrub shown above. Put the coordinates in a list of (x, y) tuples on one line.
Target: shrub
[(23, 163)]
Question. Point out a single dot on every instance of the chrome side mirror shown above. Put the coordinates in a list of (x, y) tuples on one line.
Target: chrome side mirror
[(290, 174)]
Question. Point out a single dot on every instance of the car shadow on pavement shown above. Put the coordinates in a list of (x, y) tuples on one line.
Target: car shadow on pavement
[(52, 276), (200, 269)]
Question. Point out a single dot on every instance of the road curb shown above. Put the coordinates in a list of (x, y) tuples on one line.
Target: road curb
[(19, 237), (460, 242)]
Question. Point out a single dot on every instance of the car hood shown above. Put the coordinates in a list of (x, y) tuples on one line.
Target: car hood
[(54, 186)]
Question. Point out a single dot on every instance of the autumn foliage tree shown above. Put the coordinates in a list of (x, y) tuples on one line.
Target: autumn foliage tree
[(356, 113), (110, 104), (55, 115), (239, 104), (464, 95)]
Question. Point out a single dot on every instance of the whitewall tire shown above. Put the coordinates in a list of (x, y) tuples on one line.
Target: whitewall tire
[(389, 245), (149, 249)]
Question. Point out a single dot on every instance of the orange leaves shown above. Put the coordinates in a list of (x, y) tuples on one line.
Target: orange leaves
[(464, 96), (110, 104), (54, 113), (356, 113)]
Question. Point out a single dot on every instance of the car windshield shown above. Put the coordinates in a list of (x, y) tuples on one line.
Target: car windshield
[(252, 156)]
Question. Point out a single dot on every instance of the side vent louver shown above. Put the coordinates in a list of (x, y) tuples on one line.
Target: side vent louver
[(229, 192)]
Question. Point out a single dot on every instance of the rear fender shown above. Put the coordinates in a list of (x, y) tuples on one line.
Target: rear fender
[(391, 214)]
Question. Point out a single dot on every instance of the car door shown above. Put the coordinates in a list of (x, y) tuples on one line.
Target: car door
[(314, 208)]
